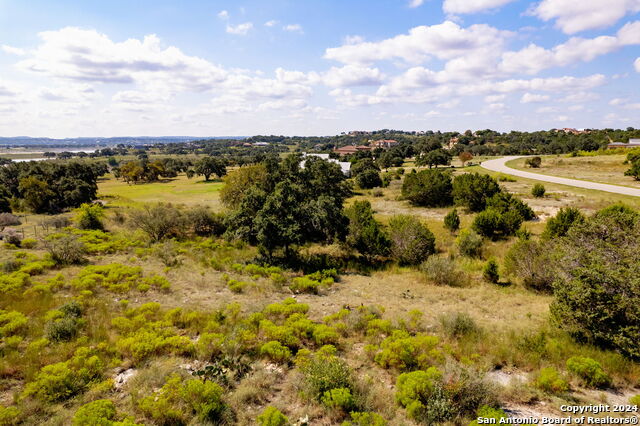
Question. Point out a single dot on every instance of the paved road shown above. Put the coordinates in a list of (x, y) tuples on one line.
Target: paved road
[(498, 165)]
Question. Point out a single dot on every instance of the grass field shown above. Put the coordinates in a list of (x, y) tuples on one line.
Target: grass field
[(603, 168), (179, 190)]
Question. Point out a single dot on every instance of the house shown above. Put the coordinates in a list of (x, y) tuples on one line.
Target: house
[(572, 131), (351, 149), (345, 166), (384, 143), (633, 143), (261, 144)]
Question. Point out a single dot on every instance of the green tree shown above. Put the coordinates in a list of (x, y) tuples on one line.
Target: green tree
[(208, 166), (437, 157), (411, 241), (89, 216), (490, 271), (472, 190), (365, 233), (368, 179), (428, 188), (538, 190), (37, 194), (452, 221), (559, 225), (534, 162)]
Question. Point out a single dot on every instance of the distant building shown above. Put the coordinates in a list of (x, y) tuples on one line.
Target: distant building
[(351, 149), (572, 131), (384, 143), (345, 166), (261, 144), (633, 143)]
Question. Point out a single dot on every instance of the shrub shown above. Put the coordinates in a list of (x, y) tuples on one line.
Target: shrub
[(493, 224), (9, 416), (368, 179), (538, 190), (29, 243), (159, 221), (635, 400), (411, 241), (271, 416), (469, 243), (62, 329), (589, 370), (504, 202), (12, 322), (533, 162), (117, 278), (99, 412), (365, 233), (339, 399), (323, 373), (459, 325), (559, 225), (443, 271), (308, 285), (428, 188), (473, 190), (596, 291), (416, 390), (89, 216), (404, 352), (490, 271), (12, 237), (205, 223), (365, 419), (61, 381), (487, 412), (452, 221), (529, 260), (550, 381), (65, 249), (276, 352)]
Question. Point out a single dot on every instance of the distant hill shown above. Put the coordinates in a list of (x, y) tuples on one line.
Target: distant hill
[(29, 142)]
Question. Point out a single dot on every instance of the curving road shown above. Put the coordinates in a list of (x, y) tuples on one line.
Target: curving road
[(498, 165)]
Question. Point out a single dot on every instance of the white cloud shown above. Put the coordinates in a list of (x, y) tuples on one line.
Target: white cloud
[(223, 14), (415, 3), (271, 23), (294, 28), (353, 39), (573, 16), (532, 97), (471, 6), (443, 41), (533, 59), (617, 101), (636, 64), (240, 29), (494, 98), (353, 75), (13, 50)]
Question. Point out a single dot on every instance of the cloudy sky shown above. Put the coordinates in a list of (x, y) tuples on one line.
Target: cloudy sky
[(206, 68)]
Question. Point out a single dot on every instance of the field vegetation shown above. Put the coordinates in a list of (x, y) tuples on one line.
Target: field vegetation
[(271, 294)]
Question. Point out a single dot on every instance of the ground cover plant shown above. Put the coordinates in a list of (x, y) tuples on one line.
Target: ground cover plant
[(350, 309)]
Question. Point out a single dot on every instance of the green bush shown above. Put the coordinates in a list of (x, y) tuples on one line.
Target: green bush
[(452, 221), (490, 271), (443, 271), (276, 352), (339, 399), (159, 222), (504, 202), (589, 370), (487, 412), (411, 241), (368, 179), (365, 419), (533, 162), (459, 324), (89, 216), (416, 391), (323, 373), (29, 243), (404, 352), (538, 190), (9, 416), (117, 278), (469, 243), (61, 381), (559, 225), (365, 233), (271, 416), (11, 323), (428, 188), (635, 400), (65, 249), (308, 285), (99, 412), (550, 381), (493, 224), (530, 261), (204, 222), (472, 190)]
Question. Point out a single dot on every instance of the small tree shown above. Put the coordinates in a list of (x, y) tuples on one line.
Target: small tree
[(493, 224), (159, 222), (365, 233), (208, 166), (490, 271), (559, 225), (472, 190), (634, 170), (452, 221), (538, 190), (368, 179), (464, 157), (534, 162), (411, 241), (89, 216), (428, 188), (469, 243), (65, 249)]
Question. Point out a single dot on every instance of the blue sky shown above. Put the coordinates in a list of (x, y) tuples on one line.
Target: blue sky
[(207, 68)]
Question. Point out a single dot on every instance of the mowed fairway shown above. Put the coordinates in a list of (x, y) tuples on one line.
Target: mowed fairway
[(179, 190)]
